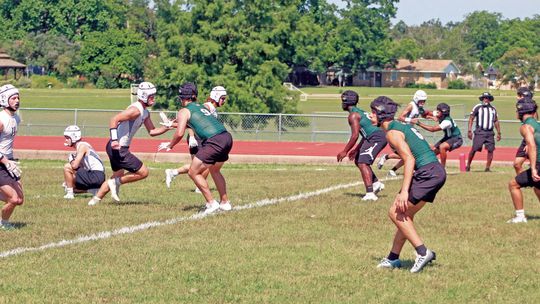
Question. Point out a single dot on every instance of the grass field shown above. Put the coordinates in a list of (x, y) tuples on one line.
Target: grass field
[(315, 248)]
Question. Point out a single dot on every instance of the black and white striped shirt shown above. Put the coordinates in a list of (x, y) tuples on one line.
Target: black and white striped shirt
[(486, 116)]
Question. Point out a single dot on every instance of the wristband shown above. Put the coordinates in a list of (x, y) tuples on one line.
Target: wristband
[(408, 120), (1, 155), (114, 134)]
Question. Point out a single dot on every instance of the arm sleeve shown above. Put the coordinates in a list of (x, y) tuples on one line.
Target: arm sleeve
[(445, 124)]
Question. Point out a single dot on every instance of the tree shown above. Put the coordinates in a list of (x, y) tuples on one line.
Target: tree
[(519, 66)]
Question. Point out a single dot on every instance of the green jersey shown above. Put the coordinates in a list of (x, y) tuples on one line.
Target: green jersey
[(366, 128), (419, 147), (450, 128), (202, 122), (536, 126)]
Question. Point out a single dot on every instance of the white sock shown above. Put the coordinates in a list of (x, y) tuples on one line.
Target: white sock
[(69, 190), (520, 213), (175, 172), (96, 198)]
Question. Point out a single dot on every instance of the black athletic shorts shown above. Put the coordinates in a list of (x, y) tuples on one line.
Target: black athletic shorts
[(5, 177), (215, 149), (454, 142), (426, 182), (194, 150), (85, 180), (524, 179), (521, 150), (123, 159), (483, 138), (370, 148)]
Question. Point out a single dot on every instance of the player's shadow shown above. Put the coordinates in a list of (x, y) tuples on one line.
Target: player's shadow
[(19, 225), (405, 264), (198, 208), (533, 217), (138, 203), (361, 194)]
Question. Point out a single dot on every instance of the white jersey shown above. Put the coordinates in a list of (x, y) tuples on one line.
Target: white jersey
[(210, 106), (127, 129), (415, 112), (10, 123), (91, 161)]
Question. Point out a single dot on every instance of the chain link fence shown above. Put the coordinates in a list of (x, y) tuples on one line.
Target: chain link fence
[(243, 126)]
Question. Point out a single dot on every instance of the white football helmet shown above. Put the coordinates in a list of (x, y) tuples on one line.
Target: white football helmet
[(145, 90), (217, 93), (419, 95), (74, 133), (6, 91)]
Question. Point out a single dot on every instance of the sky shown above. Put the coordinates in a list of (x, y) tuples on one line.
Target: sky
[(414, 12)]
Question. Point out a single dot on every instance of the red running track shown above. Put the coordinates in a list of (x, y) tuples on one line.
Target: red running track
[(240, 147)]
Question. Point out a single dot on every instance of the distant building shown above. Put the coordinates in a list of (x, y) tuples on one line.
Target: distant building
[(7, 64), (424, 71)]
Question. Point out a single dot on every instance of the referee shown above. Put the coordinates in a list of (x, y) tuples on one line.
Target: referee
[(486, 118)]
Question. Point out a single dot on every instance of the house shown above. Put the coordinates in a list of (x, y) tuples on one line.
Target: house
[(406, 72)]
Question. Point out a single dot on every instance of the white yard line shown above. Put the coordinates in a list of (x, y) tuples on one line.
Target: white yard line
[(198, 216)]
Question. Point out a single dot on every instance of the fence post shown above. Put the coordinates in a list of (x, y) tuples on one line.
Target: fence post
[(279, 126), (313, 128), (75, 117)]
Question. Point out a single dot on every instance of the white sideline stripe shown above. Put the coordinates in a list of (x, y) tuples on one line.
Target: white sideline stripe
[(198, 216)]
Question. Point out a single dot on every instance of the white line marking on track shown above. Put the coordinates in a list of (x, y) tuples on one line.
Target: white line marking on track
[(198, 216)]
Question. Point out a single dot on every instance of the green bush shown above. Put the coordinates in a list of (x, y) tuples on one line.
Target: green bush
[(458, 84), (76, 82), (430, 85), (40, 82)]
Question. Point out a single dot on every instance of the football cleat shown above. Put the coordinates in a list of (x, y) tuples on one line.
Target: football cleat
[(114, 186), (370, 196), (423, 260), (517, 220), (382, 160), (7, 226), (211, 208), (197, 190), (169, 176), (94, 201), (225, 206), (378, 187), (389, 264), (69, 196)]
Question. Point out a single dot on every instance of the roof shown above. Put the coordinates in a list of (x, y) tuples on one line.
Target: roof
[(422, 65), (7, 62)]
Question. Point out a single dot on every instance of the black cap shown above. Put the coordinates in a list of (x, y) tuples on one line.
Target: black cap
[(486, 95), (188, 90)]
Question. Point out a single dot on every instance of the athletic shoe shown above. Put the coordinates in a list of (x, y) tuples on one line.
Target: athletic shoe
[(93, 191), (423, 260), (392, 173), (69, 196), (225, 206), (517, 220), (467, 169), (114, 189), (370, 196), (94, 201), (487, 170), (169, 176), (389, 264), (197, 190), (378, 187), (64, 185), (211, 208), (382, 160), (7, 226)]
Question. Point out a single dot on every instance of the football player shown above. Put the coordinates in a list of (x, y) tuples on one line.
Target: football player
[(410, 115), (452, 136), (423, 177), (530, 131), (365, 152), (217, 98), (84, 171), (11, 191), (213, 152), (123, 127), (521, 154)]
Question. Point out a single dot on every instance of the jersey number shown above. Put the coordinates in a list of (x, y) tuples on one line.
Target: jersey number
[(417, 133), (206, 112)]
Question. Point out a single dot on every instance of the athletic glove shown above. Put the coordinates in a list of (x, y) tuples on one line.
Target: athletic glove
[(13, 170), (192, 142), (164, 146), (165, 120)]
